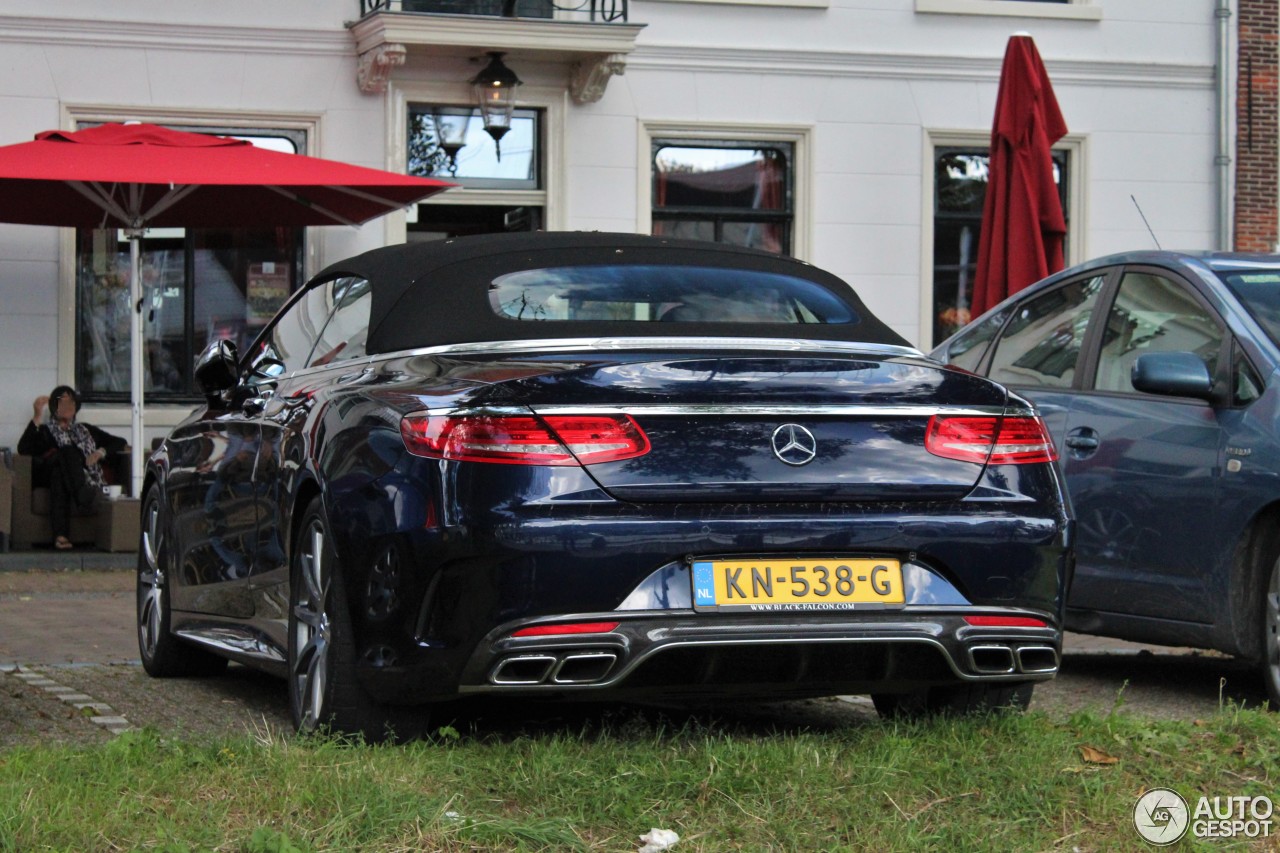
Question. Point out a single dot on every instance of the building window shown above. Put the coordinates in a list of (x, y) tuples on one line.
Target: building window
[(450, 143), (959, 191), (499, 190), (198, 285), (739, 192)]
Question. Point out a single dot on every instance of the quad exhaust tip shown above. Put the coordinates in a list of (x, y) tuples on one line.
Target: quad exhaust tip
[(994, 659), (1037, 659), (579, 667)]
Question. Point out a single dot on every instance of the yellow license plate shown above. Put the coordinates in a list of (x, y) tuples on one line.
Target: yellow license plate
[(825, 583)]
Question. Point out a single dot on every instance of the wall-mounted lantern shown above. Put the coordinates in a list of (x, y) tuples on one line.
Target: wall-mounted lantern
[(495, 89)]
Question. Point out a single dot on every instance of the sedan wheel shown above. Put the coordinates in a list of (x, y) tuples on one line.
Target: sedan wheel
[(1271, 636), (162, 653)]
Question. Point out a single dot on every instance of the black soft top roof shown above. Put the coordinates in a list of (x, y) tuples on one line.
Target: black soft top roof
[(437, 293)]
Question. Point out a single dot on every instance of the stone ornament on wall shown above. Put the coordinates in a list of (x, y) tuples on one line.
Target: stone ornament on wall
[(589, 78), (376, 65)]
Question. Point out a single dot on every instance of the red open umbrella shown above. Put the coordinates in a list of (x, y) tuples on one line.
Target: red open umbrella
[(1022, 222), (137, 176)]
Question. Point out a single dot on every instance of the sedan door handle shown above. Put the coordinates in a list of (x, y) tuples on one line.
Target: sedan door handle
[(1083, 440)]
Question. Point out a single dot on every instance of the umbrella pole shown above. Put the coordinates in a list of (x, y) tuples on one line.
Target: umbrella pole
[(135, 354)]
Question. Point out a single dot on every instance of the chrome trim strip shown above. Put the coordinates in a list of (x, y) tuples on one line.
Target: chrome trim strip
[(763, 411), (667, 342), (724, 411), (232, 641), (779, 411)]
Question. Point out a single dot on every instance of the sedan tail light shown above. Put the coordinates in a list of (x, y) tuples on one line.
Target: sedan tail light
[(995, 441), (524, 439)]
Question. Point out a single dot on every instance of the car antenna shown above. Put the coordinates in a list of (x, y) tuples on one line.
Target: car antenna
[(1145, 222)]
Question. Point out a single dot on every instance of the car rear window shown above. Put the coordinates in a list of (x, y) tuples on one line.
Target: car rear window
[(1259, 291), (665, 294)]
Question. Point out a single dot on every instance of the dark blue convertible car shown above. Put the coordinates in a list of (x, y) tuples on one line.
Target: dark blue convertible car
[(593, 465), (1156, 372)]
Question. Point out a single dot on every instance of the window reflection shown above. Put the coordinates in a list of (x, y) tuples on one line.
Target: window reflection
[(1041, 344), (728, 192), (669, 294), (198, 285), (1153, 314)]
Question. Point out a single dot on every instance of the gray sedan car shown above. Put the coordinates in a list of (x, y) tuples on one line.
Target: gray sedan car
[(1158, 375)]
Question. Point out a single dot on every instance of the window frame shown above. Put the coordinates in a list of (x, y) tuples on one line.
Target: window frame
[(1076, 148), (799, 137)]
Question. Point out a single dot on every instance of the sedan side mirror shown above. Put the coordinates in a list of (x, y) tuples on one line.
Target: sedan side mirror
[(217, 368), (1173, 374)]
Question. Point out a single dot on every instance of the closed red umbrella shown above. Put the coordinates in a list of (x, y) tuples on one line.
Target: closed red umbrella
[(1022, 222), (137, 176)]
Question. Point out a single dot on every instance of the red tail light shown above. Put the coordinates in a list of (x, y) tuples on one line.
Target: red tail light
[(566, 628), (1005, 622), (995, 441), (524, 439)]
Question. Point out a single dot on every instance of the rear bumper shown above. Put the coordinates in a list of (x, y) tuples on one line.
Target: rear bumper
[(433, 621), (688, 655)]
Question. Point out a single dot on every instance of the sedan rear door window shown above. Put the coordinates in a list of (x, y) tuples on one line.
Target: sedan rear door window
[(1041, 344)]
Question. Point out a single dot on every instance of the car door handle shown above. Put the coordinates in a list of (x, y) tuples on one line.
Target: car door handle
[(1083, 440)]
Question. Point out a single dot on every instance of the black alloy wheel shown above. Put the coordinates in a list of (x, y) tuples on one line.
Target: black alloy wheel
[(163, 654), (323, 692)]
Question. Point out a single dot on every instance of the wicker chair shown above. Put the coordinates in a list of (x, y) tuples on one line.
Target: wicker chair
[(112, 525)]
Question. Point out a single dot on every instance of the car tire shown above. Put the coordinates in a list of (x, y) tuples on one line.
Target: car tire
[(1271, 635), (324, 695), (955, 700), (163, 654)]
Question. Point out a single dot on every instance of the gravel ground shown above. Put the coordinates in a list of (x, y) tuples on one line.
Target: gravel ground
[(81, 659)]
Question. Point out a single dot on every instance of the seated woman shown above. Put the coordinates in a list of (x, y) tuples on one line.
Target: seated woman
[(73, 454)]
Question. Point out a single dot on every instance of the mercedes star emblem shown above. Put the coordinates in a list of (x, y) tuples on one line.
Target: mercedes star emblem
[(794, 444)]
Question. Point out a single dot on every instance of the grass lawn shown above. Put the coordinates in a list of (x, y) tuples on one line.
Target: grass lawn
[(1008, 783)]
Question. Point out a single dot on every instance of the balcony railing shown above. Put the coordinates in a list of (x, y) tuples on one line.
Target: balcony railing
[(605, 11)]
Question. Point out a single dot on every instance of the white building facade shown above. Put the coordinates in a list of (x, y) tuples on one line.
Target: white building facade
[(873, 115)]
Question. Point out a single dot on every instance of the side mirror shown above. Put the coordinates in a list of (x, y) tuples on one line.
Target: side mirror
[(217, 368), (1173, 374)]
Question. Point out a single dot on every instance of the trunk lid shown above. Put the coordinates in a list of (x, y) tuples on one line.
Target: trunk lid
[(773, 428)]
